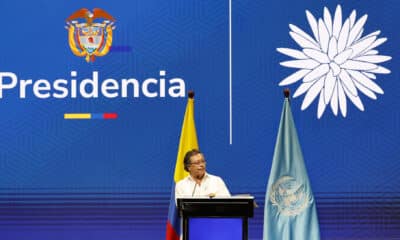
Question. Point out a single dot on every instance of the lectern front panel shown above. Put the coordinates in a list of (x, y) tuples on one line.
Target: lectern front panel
[(215, 228), (216, 218)]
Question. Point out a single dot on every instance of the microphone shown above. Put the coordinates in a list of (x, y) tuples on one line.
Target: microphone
[(194, 189)]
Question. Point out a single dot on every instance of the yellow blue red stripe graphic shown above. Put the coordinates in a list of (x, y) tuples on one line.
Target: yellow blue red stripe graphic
[(82, 116)]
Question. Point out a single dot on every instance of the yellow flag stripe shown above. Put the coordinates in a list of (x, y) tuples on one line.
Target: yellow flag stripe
[(187, 142)]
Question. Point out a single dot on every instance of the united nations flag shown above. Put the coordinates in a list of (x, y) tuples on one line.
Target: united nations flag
[(290, 212)]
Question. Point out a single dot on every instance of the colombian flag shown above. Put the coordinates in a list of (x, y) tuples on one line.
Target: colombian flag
[(187, 142)]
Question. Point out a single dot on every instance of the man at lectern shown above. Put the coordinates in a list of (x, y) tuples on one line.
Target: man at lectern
[(199, 183)]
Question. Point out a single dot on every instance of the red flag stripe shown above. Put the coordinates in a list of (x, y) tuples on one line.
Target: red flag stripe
[(171, 234)]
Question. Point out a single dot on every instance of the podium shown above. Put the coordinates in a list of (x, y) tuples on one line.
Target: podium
[(215, 218)]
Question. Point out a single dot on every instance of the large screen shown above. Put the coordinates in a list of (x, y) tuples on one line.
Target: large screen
[(93, 94)]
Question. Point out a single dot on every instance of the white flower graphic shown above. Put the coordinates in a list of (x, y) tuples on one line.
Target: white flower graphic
[(338, 63)]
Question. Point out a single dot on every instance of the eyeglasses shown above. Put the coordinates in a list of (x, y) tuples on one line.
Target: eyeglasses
[(198, 163)]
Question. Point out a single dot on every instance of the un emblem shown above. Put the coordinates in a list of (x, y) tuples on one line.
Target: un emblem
[(89, 38), (289, 196)]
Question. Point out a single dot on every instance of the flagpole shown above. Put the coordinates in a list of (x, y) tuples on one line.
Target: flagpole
[(191, 94), (286, 92)]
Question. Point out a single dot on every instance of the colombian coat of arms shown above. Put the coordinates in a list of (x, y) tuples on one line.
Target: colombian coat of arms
[(87, 36)]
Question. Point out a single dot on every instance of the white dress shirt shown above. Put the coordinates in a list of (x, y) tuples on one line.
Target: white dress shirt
[(210, 185)]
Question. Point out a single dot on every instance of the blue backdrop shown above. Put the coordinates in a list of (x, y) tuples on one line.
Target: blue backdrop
[(97, 179)]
